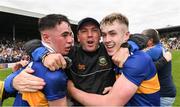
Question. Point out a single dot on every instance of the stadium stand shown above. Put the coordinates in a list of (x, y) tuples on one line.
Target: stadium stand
[(10, 51), (20, 26), (170, 37)]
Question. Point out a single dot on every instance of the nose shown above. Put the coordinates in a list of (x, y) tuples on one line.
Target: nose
[(106, 38), (89, 33), (70, 39)]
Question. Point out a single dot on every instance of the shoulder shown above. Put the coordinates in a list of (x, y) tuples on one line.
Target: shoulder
[(156, 48), (138, 66), (75, 49), (137, 59), (155, 52)]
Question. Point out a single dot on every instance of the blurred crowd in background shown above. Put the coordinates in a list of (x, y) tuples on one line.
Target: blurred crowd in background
[(11, 51), (171, 43)]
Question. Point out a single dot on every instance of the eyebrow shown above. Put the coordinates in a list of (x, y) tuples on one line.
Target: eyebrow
[(66, 32), (111, 31)]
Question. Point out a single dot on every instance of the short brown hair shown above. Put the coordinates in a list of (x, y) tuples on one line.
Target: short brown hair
[(152, 34)]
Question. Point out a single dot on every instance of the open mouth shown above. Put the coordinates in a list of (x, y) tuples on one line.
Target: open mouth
[(68, 48), (90, 43)]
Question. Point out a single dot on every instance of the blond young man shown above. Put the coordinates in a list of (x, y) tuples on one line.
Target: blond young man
[(138, 84)]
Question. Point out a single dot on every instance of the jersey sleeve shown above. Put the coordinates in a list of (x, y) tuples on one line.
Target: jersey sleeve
[(8, 81), (135, 69), (38, 53)]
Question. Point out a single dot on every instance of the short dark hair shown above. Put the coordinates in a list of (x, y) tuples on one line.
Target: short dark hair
[(152, 34), (51, 20)]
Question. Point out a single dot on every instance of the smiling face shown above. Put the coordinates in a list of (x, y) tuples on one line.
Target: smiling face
[(89, 36), (113, 36)]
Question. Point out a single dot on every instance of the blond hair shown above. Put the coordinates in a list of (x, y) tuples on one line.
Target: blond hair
[(110, 19)]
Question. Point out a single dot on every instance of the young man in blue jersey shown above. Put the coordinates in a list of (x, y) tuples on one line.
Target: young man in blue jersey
[(138, 83), (155, 49), (55, 30)]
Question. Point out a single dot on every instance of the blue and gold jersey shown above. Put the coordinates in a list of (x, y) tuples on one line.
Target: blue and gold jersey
[(140, 70), (55, 88)]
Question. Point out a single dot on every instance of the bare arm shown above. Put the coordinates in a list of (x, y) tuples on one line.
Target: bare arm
[(27, 82), (119, 59), (167, 56), (59, 102), (19, 64), (120, 94)]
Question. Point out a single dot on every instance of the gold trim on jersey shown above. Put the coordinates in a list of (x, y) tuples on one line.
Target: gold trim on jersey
[(149, 86), (35, 98)]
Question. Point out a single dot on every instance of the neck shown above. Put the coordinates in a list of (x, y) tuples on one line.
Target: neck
[(50, 49)]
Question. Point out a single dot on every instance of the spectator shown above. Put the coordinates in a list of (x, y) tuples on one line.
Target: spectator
[(155, 50)]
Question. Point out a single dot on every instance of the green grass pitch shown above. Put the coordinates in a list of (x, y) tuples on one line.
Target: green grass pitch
[(176, 78)]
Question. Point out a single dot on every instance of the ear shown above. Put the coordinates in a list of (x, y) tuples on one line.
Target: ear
[(150, 42), (127, 35), (45, 37)]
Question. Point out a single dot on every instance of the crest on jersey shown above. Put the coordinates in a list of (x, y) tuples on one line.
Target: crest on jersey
[(102, 61), (81, 67)]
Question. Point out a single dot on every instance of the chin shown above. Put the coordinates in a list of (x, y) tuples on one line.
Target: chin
[(91, 49), (110, 53), (65, 53)]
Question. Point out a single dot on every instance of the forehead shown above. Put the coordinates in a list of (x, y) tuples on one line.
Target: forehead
[(63, 26), (115, 26), (89, 24)]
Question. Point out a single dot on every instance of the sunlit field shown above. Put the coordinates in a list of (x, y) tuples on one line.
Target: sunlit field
[(176, 77), (3, 74)]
